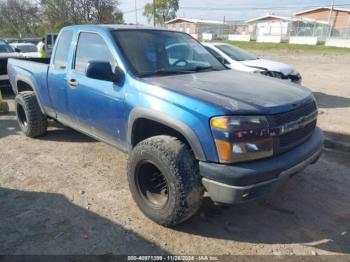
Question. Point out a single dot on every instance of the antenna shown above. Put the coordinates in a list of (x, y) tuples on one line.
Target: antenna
[(136, 13)]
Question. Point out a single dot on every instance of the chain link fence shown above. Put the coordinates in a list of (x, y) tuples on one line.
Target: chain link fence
[(336, 28)]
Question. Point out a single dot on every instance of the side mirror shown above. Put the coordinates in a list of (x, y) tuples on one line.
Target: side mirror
[(17, 50), (102, 70)]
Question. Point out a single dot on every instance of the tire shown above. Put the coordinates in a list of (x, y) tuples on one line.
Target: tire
[(164, 180), (31, 120)]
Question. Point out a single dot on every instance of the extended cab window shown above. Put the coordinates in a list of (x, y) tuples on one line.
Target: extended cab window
[(62, 50), (91, 47)]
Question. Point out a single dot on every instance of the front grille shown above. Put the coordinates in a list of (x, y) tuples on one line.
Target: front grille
[(287, 141), (287, 117), (295, 137), (3, 66)]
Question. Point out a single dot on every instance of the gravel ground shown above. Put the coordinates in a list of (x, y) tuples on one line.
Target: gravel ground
[(67, 194)]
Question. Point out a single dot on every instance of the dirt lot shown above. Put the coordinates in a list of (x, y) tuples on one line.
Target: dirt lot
[(67, 194)]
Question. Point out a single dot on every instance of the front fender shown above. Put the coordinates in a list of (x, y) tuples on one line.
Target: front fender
[(169, 121)]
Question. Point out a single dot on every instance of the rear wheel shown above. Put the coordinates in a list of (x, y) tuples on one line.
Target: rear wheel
[(31, 120), (164, 180)]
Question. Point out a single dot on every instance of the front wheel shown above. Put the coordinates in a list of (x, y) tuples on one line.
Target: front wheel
[(164, 180)]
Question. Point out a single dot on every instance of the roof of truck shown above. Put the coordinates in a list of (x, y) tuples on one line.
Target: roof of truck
[(116, 27)]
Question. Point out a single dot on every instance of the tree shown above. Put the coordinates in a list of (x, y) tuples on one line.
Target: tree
[(66, 12), (56, 12), (19, 16), (36, 17), (164, 10), (106, 11)]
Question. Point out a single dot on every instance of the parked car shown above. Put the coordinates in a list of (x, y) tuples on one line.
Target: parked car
[(188, 126), (239, 59), (6, 51), (50, 39), (27, 49)]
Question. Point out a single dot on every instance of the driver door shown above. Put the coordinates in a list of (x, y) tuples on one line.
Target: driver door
[(96, 105)]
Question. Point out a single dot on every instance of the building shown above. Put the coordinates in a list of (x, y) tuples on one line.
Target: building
[(238, 27), (338, 18), (273, 25), (198, 27), (269, 25)]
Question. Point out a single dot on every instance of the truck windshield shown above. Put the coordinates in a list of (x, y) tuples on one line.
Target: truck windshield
[(156, 52), (5, 48)]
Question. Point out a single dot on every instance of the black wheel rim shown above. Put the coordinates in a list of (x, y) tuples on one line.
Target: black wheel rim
[(152, 185), (21, 115)]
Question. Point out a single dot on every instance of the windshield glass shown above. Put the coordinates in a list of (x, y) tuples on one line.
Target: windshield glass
[(236, 53), (27, 48), (5, 48), (155, 52)]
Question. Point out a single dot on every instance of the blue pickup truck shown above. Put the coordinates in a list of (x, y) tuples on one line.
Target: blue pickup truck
[(188, 123)]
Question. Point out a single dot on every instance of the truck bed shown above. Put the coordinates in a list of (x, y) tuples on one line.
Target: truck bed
[(32, 71), (3, 66), (35, 59)]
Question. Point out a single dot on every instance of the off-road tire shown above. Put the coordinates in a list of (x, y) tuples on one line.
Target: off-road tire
[(31, 120), (177, 164)]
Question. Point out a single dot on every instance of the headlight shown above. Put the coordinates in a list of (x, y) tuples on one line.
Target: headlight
[(241, 138)]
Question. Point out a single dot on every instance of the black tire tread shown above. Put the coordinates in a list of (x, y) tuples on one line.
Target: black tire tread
[(37, 121), (181, 161)]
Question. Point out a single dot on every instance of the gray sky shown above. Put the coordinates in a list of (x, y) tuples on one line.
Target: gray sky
[(217, 9)]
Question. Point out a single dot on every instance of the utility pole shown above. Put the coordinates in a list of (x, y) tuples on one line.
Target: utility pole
[(136, 21), (154, 13), (223, 25), (330, 20)]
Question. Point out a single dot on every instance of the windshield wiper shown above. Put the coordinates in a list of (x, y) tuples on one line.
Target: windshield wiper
[(164, 71), (201, 68)]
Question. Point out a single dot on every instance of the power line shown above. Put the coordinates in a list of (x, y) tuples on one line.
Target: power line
[(226, 8), (255, 8)]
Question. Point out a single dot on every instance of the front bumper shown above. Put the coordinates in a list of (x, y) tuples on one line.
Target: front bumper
[(251, 180)]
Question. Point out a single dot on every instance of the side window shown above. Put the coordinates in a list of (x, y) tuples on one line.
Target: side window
[(62, 50), (91, 47)]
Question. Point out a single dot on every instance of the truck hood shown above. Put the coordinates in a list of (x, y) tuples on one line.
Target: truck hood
[(237, 92), (271, 66)]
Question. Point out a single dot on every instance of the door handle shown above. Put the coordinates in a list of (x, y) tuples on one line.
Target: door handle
[(73, 83)]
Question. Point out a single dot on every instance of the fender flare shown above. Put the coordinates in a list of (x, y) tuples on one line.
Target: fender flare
[(30, 83), (169, 121)]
